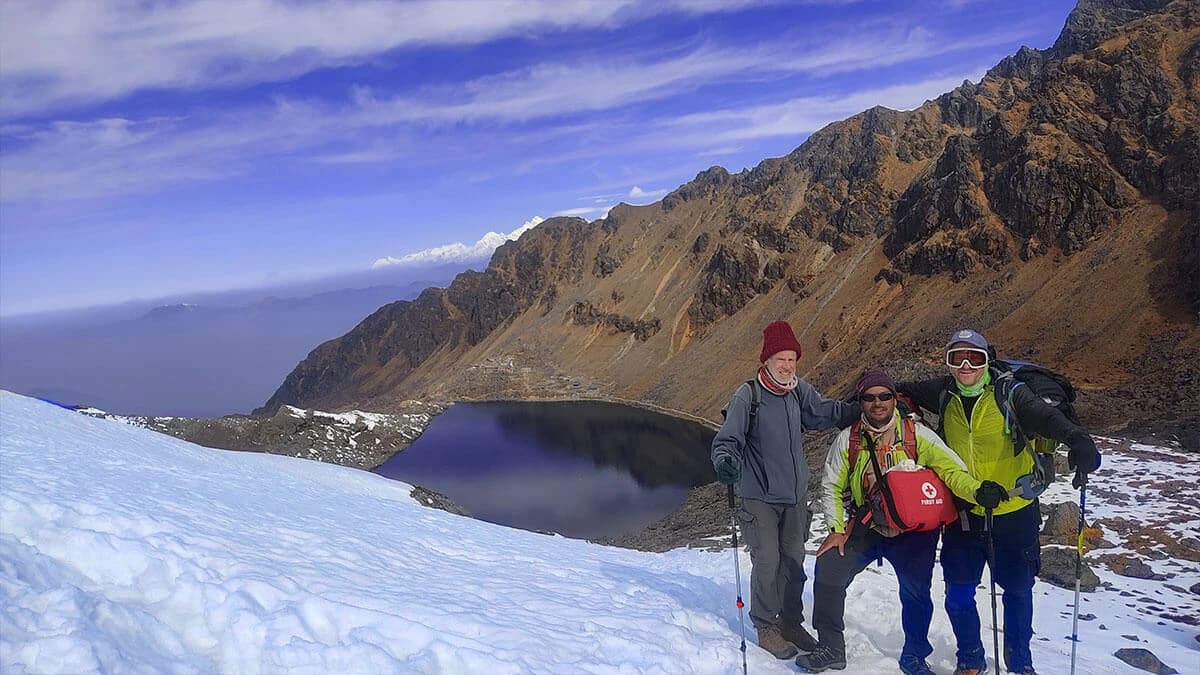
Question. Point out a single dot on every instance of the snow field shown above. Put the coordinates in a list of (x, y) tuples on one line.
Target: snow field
[(123, 550)]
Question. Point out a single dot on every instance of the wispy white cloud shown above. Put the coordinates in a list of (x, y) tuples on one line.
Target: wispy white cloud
[(803, 115), (585, 211), (720, 152), (588, 85), (638, 194), (72, 51), (459, 252), (64, 160)]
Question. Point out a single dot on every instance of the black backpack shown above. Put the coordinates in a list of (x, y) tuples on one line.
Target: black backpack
[(1052, 387)]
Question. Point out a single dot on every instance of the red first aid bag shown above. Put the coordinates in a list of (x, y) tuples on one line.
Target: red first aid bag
[(912, 501), (908, 501)]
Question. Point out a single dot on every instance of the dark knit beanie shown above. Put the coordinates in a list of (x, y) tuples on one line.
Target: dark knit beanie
[(876, 377), (777, 337)]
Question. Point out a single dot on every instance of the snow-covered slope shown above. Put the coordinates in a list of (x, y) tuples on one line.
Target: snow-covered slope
[(123, 550)]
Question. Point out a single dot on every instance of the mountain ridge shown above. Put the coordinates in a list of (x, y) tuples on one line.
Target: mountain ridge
[(1047, 205)]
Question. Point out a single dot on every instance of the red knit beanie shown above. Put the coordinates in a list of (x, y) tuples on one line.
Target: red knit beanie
[(777, 337)]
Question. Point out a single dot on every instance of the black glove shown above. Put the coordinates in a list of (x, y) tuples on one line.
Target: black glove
[(727, 472), (990, 494), (1082, 455)]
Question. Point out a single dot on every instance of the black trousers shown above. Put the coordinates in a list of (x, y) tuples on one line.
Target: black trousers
[(911, 555)]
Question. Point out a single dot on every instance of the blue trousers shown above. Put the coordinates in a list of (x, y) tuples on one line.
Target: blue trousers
[(911, 555), (1018, 561)]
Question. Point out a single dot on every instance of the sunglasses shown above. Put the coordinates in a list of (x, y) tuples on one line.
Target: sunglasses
[(967, 358), (871, 398)]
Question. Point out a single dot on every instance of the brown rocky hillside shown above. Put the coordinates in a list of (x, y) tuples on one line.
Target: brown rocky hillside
[(1054, 205)]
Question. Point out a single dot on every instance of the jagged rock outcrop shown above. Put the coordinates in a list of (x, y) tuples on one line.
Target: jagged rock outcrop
[(706, 184), (587, 314), (1053, 204), (731, 278)]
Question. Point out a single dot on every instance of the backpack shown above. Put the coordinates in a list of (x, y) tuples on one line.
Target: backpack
[(908, 501), (1052, 387)]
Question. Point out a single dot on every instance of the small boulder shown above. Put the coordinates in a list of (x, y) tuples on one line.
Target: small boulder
[(1128, 566), (1058, 568), (1062, 527), (1062, 522), (1195, 588), (1144, 659)]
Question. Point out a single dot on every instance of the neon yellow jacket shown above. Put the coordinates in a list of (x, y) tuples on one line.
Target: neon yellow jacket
[(985, 446), (842, 481)]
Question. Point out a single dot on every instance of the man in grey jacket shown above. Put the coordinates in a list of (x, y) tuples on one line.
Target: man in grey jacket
[(760, 450)]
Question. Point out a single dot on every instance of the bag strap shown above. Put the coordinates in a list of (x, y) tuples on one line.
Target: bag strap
[(943, 401), (855, 443), (882, 486), (755, 398), (910, 437), (909, 440)]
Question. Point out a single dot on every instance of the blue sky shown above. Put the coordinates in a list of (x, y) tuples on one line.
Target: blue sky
[(156, 148)]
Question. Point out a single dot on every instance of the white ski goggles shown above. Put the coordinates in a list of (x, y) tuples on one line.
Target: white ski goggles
[(966, 357)]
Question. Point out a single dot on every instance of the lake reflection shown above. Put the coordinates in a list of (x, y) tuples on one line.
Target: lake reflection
[(584, 469)]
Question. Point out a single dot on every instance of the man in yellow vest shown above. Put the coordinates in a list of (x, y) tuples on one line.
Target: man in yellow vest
[(853, 542), (974, 426)]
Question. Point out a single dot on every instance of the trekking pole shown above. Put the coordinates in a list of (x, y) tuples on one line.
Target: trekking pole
[(991, 554), (1080, 478), (737, 573)]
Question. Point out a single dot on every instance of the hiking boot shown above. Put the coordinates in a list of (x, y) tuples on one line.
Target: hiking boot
[(915, 667), (795, 634), (770, 639), (821, 659), (966, 670)]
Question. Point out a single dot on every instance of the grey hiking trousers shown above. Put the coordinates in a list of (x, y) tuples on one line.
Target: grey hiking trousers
[(775, 535)]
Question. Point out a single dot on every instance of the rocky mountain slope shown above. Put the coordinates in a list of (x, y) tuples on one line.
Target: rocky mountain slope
[(1054, 205)]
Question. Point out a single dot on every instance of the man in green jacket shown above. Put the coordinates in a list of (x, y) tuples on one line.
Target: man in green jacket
[(974, 425), (852, 545)]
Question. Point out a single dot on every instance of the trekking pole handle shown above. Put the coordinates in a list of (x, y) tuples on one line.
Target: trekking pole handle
[(732, 502)]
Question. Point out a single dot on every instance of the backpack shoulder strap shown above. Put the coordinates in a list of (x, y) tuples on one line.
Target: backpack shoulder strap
[(855, 444), (942, 400), (910, 438), (1006, 385), (755, 398)]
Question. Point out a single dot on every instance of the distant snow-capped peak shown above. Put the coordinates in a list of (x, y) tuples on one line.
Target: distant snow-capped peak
[(459, 252)]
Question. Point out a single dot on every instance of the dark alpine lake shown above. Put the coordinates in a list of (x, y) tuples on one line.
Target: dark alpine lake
[(584, 469)]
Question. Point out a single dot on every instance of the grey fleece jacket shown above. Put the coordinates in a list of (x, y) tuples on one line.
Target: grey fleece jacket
[(771, 454)]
